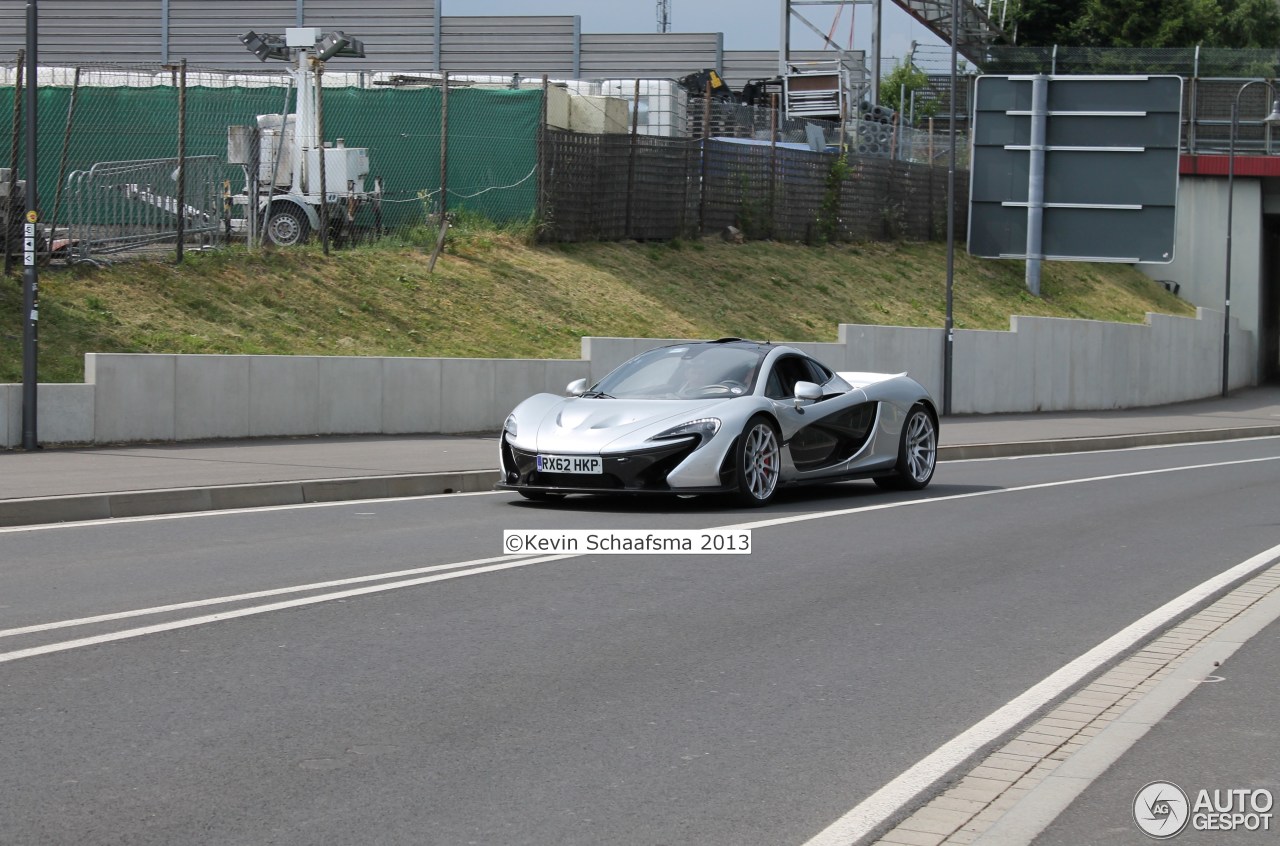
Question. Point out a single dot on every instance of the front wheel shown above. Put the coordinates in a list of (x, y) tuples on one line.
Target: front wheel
[(758, 460), (917, 453)]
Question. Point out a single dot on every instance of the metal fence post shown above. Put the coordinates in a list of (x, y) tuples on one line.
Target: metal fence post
[(541, 206), (706, 151), (631, 161), (182, 158), (773, 164), (324, 185), (444, 170)]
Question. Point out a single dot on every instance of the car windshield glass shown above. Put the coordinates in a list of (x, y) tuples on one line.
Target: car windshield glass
[(694, 371)]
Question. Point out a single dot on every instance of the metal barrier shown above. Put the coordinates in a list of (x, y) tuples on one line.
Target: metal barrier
[(117, 207)]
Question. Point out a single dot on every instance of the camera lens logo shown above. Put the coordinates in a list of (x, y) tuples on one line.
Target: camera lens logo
[(1161, 810)]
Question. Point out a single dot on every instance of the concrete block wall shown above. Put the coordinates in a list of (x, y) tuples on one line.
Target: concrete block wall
[(1041, 364), (191, 397), (65, 414), (1056, 364)]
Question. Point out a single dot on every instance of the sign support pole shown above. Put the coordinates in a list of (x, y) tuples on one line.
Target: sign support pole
[(1035, 181), (30, 278), (948, 341)]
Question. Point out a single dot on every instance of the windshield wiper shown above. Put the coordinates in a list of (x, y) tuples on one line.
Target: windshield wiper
[(596, 395)]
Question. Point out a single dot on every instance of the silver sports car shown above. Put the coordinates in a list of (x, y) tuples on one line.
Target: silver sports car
[(727, 416)]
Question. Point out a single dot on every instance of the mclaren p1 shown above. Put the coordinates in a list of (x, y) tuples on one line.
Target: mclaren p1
[(721, 417)]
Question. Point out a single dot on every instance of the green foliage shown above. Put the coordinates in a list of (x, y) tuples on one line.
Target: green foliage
[(1148, 23), (905, 79), (1247, 23), (1041, 23), (827, 224)]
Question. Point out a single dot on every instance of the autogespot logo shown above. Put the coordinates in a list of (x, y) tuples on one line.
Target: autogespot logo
[(1161, 810)]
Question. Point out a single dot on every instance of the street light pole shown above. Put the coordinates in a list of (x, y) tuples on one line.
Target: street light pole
[(1272, 118)]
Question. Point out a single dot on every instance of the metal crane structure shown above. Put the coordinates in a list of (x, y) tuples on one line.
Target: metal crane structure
[(977, 28), (664, 15)]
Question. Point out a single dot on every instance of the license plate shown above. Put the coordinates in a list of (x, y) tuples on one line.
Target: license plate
[(570, 464)]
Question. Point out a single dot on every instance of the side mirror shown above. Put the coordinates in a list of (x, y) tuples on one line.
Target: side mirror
[(807, 392), (577, 387)]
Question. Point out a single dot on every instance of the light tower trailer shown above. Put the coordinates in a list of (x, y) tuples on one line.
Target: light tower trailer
[(297, 182)]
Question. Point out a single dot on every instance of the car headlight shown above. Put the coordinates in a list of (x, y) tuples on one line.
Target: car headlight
[(703, 427), (509, 427)]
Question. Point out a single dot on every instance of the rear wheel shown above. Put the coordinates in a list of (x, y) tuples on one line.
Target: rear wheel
[(287, 225), (917, 453), (758, 460)]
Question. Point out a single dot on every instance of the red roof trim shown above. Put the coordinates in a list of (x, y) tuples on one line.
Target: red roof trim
[(1216, 165)]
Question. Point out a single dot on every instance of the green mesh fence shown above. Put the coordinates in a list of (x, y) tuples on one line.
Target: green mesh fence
[(492, 150)]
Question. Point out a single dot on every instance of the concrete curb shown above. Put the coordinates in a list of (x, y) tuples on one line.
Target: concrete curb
[(104, 506)]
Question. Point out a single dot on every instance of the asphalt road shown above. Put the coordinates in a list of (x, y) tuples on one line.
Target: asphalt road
[(735, 699)]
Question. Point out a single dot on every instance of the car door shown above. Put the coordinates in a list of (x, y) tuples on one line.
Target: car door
[(820, 435)]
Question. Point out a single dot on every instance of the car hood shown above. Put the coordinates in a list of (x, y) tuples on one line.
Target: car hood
[(548, 423)]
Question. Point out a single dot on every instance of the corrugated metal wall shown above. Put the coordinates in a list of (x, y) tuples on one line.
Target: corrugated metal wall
[(77, 31), (210, 37), (650, 55), (530, 46), (398, 35)]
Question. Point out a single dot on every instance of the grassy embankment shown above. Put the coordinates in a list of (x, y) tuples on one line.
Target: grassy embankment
[(495, 295)]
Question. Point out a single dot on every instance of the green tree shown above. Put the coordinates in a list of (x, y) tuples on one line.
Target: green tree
[(906, 78), (1041, 23), (1246, 23), (1148, 23), (1145, 23)]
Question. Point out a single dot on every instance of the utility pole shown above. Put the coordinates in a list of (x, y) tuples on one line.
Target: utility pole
[(664, 15)]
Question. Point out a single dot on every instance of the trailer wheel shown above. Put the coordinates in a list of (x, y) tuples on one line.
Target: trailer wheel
[(287, 226)]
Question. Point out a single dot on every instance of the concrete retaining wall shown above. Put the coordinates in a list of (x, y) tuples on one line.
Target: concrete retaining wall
[(1041, 364), (193, 397), (65, 414)]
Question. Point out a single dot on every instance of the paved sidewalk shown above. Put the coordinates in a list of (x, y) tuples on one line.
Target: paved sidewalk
[(63, 484)]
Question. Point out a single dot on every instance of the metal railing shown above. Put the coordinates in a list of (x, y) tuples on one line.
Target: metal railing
[(117, 206)]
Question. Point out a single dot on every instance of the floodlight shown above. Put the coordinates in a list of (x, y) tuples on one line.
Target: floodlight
[(265, 46), (338, 43)]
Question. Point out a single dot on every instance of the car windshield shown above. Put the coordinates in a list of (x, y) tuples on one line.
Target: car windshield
[(691, 371)]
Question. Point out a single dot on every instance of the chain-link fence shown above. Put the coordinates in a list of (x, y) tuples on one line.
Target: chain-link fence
[(1184, 61), (141, 158), (111, 140)]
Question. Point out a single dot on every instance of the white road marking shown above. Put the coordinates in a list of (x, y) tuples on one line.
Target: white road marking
[(880, 806), (780, 521), (244, 597), (261, 609)]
